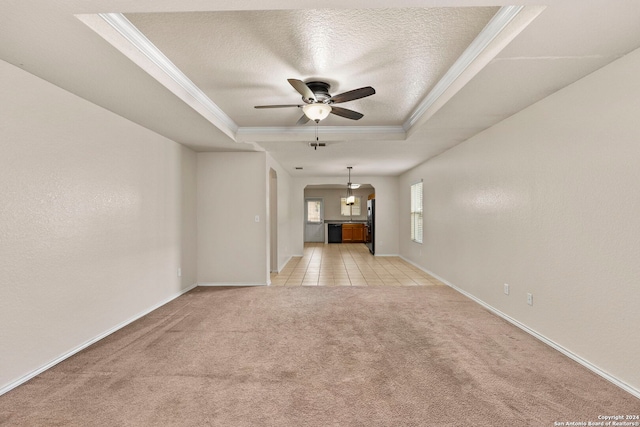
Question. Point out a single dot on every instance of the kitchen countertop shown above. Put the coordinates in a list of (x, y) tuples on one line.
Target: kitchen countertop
[(343, 221)]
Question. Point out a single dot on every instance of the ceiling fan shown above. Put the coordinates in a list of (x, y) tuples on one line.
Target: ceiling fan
[(318, 103)]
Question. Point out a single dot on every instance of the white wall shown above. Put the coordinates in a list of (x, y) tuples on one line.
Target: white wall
[(386, 188), (548, 201), (284, 212), (232, 191), (96, 215)]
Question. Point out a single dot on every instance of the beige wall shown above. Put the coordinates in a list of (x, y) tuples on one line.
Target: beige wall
[(548, 201), (232, 191), (284, 213), (97, 215)]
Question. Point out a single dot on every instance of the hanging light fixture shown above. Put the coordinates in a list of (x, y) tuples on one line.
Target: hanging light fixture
[(317, 111), (351, 199)]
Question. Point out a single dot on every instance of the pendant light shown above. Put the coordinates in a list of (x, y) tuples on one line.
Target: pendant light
[(351, 199)]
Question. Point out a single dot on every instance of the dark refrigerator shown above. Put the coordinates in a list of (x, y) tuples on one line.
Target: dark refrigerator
[(371, 225)]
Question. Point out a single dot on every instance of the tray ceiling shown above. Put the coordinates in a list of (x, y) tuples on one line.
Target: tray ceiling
[(443, 70), (243, 58)]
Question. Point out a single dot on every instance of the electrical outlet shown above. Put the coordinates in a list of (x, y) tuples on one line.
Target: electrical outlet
[(530, 299), (506, 289), (179, 272)]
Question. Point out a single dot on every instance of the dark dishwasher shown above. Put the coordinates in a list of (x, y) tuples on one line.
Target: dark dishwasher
[(335, 233)]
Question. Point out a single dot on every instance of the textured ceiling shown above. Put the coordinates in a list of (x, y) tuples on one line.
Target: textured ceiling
[(243, 58), (240, 53)]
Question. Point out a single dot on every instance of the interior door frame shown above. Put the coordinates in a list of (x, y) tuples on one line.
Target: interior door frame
[(273, 221)]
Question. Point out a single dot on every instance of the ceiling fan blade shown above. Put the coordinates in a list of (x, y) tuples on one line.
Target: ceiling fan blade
[(343, 112), (277, 106), (353, 94), (304, 119), (303, 89)]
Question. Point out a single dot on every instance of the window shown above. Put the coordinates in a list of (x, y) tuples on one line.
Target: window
[(416, 212), (314, 211), (346, 210)]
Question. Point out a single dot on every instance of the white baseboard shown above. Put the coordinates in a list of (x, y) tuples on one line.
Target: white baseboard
[(215, 284), (81, 347), (284, 264), (626, 387)]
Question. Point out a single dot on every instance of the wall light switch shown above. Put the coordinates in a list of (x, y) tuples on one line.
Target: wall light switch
[(257, 218), (179, 272), (506, 289), (530, 299)]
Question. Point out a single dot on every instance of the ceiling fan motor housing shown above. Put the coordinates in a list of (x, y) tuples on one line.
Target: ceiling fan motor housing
[(320, 90)]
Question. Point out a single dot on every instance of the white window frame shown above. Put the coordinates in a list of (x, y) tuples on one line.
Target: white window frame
[(353, 210), (416, 209), (317, 202)]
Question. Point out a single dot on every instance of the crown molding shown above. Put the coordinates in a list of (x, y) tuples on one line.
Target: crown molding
[(477, 55), (154, 62), (328, 133), (116, 29)]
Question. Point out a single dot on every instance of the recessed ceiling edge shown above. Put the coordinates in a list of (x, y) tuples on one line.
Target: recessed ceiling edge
[(477, 55)]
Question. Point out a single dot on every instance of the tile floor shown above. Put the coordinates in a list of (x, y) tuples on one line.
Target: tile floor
[(348, 264)]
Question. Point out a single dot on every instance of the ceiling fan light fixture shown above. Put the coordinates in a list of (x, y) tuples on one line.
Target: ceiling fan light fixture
[(316, 111)]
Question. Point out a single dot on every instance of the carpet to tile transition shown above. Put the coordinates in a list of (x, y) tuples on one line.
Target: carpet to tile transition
[(313, 356)]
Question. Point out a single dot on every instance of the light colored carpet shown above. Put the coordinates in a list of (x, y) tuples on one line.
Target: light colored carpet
[(309, 356)]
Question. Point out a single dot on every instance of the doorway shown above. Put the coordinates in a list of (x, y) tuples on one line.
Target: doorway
[(273, 221), (314, 220)]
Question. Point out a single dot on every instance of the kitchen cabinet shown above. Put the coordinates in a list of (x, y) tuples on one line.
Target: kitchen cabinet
[(352, 233)]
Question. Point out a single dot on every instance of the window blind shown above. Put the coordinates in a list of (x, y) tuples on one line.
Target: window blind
[(416, 212), (346, 210), (314, 208)]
